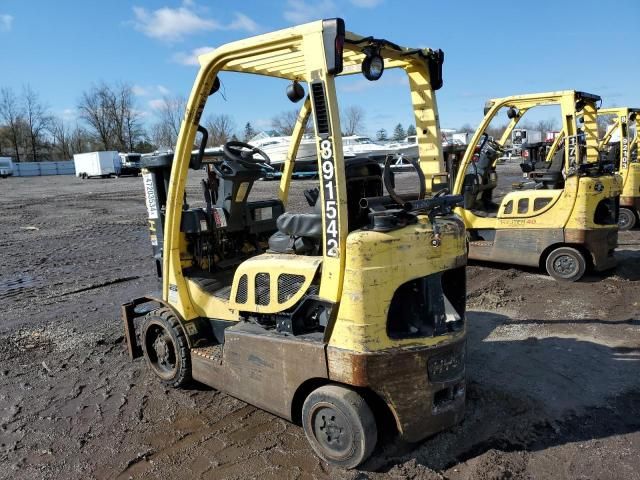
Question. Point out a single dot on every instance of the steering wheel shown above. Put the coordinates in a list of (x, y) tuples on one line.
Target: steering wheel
[(491, 143), (243, 153), (387, 180)]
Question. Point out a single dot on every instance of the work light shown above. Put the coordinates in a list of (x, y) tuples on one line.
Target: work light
[(372, 65)]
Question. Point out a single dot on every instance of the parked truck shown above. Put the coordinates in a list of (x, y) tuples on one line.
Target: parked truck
[(6, 167), (130, 163), (521, 136), (97, 164)]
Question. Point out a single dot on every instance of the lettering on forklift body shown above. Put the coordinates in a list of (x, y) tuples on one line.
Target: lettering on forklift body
[(331, 234), (572, 151), (624, 163), (150, 195)]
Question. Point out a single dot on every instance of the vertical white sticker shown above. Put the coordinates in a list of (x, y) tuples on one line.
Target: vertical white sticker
[(150, 195), (173, 293)]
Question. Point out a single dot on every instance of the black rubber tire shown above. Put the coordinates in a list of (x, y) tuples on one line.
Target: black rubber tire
[(174, 368), (626, 219), (353, 425), (566, 264)]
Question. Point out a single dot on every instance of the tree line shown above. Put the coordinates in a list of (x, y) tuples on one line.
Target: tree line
[(107, 117)]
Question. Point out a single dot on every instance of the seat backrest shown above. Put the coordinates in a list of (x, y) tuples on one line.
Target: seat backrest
[(557, 162)]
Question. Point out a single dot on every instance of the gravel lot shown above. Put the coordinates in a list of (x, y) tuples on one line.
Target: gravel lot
[(554, 388)]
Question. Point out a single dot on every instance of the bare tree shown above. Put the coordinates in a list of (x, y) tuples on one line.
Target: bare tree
[(12, 115), (352, 120), (80, 140), (496, 131), (94, 110), (161, 136), (466, 128), (285, 122), (165, 132), (221, 129), (61, 137), (544, 126), (37, 119), (111, 113)]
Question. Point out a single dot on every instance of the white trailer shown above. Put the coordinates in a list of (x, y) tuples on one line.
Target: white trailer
[(522, 135), (6, 167), (97, 164)]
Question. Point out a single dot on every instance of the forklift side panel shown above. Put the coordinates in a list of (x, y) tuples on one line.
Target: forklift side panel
[(260, 367), (423, 387), (518, 246), (600, 243), (631, 202)]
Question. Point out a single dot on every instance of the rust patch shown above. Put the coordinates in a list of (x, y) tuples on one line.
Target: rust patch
[(422, 401)]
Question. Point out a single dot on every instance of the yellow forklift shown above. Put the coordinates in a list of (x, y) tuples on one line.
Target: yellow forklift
[(618, 148), (623, 155), (562, 218), (336, 319)]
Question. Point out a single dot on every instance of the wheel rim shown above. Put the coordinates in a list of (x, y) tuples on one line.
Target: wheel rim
[(565, 265), (624, 220), (161, 351), (332, 431)]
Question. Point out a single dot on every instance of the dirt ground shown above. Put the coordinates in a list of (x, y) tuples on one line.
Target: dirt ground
[(554, 388)]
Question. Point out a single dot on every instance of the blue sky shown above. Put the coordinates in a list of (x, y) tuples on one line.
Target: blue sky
[(492, 49)]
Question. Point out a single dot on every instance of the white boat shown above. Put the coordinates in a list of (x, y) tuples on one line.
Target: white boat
[(408, 148), (354, 145), (277, 147)]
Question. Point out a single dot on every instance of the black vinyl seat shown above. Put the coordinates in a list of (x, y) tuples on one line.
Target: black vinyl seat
[(301, 233), (552, 177), (297, 233)]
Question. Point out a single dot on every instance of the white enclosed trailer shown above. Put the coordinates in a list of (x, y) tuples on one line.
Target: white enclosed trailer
[(6, 167), (97, 164)]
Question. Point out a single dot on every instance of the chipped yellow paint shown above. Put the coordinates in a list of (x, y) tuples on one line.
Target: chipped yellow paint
[(376, 265)]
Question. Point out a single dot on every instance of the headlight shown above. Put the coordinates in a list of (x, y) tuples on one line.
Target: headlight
[(373, 66)]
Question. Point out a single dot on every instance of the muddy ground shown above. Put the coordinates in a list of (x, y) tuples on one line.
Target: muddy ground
[(553, 369)]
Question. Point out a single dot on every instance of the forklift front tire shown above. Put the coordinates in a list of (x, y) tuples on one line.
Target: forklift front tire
[(566, 264), (165, 347), (339, 425), (626, 219)]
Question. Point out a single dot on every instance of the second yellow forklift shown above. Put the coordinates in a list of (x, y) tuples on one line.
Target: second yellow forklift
[(563, 218)]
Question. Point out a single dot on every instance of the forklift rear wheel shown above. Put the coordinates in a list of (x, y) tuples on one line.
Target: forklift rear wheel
[(626, 219), (566, 263), (165, 347), (339, 425)]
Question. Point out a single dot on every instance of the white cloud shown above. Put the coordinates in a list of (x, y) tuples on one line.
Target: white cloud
[(366, 3), (69, 114), (173, 24), (6, 22), (243, 22), (298, 11), (170, 23), (149, 90), (190, 58), (156, 103), (139, 91)]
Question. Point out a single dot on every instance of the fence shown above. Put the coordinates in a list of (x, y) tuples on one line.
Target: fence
[(35, 169)]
